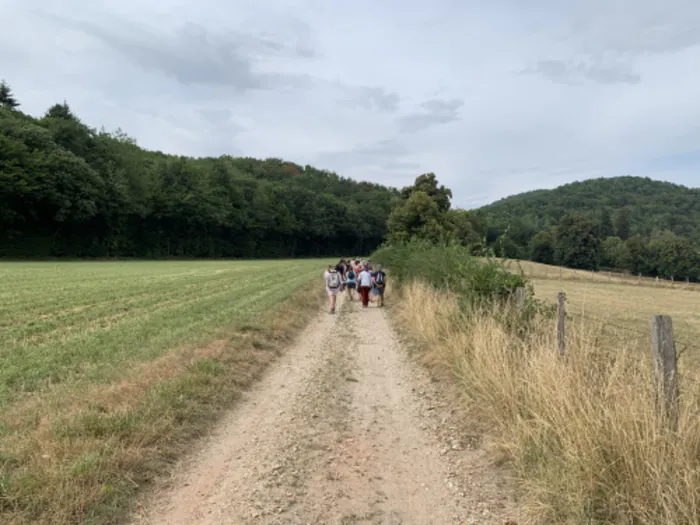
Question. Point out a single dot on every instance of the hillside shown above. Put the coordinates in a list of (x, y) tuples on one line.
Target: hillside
[(628, 224), (69, 190), (651, 205)]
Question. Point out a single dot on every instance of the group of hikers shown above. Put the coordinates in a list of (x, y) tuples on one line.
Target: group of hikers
[(358, 275)]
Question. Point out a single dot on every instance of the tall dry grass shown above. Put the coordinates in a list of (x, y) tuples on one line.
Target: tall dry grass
[(585, 440)]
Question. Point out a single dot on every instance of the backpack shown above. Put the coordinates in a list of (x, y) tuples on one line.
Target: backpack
[(333, 280), (351, 275), (379, 278)]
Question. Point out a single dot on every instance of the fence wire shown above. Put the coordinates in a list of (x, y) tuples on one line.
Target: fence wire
[(681, 347)]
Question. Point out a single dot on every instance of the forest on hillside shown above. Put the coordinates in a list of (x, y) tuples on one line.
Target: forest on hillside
[(630, 224), (67, 190)]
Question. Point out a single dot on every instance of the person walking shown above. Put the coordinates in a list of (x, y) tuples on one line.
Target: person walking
[(379, 285), (333, 284), (365, 282), (351, 282), (341, 269)]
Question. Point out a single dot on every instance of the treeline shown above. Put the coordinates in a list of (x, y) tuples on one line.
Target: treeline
[(572, 226), (627, 224), (67, 190)]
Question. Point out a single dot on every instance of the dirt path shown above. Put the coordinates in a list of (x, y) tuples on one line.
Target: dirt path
[(342, 431)]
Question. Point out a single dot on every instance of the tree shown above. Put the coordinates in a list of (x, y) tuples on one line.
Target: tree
[(69, 190), (674, 256), (506, 247), (622, 224), (424, 213), (541, 247), (639, 255), (7, 99), (615, 253), (460, 228), (60, 111), (428, 184), (577, 244), (606, 224), (418, 217)]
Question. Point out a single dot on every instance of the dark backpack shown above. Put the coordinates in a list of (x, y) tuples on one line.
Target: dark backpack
[(379, 278)]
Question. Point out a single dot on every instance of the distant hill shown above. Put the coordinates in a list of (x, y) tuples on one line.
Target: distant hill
[(651, 206)]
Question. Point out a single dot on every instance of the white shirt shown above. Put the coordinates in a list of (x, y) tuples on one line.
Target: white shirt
[(365, 278)]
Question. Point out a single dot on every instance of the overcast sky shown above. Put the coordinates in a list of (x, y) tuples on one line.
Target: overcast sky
[(495, 97)]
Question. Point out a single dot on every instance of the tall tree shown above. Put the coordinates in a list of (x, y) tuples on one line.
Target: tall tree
[(7, 99), (577, 243), (460, 227), (541, 247), (61, 111), (428, 184), (614, 253), (417, 217), (674, 256)]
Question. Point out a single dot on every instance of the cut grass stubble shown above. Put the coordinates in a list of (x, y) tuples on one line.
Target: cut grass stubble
[(132, 393), (583, 433)]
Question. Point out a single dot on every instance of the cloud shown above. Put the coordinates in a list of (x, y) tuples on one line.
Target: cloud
[(433, 112), (195, 55), (494, 98), (570, 72), (411, 167), (372, 98), (367, 154), (647, 26)]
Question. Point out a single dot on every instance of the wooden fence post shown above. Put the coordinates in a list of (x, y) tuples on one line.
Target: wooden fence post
[(520, 297), (663, 353), (561, 322)]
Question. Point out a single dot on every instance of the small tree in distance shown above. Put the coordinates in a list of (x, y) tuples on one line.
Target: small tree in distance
[(61, 111), (7, 99)]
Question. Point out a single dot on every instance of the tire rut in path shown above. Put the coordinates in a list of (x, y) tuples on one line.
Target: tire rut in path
[(334, 434)]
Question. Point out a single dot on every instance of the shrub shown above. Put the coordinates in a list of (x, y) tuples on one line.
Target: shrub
[(450, 268)]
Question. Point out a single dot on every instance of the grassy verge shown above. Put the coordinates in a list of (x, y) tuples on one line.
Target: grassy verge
[(130, 375), (582, 433)]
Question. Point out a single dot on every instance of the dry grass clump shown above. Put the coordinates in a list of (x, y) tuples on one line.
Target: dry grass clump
[(585, 440)]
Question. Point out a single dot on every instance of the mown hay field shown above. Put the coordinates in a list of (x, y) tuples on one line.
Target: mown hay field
[(619, 304), (107, 369)]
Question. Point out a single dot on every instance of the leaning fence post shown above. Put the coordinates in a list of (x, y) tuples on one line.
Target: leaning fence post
[(663, 352), (561, 322), (520, 297)]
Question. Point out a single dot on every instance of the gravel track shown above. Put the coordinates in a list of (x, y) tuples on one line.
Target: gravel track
[(343, 430)]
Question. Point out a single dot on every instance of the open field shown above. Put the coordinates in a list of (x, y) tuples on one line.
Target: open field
[(546, 271), (620, 304), (106, 369)]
